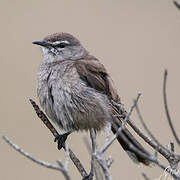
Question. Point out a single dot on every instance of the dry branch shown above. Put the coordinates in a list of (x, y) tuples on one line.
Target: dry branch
[(49, 125), (98, 154), (145, 176), (169, 154), (172, 158), (106, 145), (40, 162), (167, 110)]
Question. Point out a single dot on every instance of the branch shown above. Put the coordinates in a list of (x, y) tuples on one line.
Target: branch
[(98, 156), (40, 162), (103, 163), (149, 141), (158, 145), (145, 127), (66, 164), (98, 169), (169, 154), (145, 176), (48, 124), (99, 174), (167, 110), (94, 146), (105, 147), (172, 157)]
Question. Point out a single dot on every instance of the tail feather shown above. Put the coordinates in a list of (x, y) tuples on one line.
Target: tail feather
[(136, 157)]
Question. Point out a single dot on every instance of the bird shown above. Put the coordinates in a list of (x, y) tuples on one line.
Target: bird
[(78, 94)]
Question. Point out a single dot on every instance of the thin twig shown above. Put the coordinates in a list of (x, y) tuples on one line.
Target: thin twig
[(94, 146), (145, 127), (145, 176), (87, 144), (105, 147), (64, 171), (108, 132), (109, 161), (99, 174), (66, 163), (102, 162), (173, 161), (149, 141), (150, 157), (148, 131), (99, 157), (167, 110), (48, 124), (153, 137), (40, 162), (172, 146), (168, 154), (171, 171), (170, 157)]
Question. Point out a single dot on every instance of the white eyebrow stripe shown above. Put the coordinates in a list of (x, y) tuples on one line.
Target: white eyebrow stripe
[(58, 42)]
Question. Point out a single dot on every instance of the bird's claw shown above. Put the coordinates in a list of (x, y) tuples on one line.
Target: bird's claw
[(61, 139), (88, 177)]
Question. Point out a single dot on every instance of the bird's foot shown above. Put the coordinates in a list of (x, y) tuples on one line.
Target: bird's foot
[(61, 139), (88, 177)]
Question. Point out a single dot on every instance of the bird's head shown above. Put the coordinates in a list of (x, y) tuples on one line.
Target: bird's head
[(61, 46)]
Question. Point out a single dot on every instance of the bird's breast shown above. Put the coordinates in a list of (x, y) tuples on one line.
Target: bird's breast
[(69, 102)]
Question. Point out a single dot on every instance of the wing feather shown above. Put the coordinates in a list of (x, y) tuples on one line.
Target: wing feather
[(95, 75)]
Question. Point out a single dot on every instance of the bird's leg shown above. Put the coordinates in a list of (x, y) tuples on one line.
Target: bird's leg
[(93, 139), (61, 139), (89, 176)]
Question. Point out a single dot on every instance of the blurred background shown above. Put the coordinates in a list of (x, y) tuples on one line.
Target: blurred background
[(136, 40)]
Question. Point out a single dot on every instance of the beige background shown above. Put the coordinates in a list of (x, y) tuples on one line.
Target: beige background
[(136, 40)]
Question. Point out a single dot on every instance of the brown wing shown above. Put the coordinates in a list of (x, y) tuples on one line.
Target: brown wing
[(95, 75)]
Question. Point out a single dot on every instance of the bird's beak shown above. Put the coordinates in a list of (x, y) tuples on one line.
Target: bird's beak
[(42, 43)]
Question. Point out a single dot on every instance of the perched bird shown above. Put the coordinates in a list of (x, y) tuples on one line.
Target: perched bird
[(77, 93)]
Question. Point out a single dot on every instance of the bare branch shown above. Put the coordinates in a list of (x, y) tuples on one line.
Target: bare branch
[(64, 171), (98, 171), (172, 172), (87, 144), (66, 163), (40, 162), (94, 146), (166, 108), (102, 162), (145, 176), (171, 153), (108, 136), (108, 131), (171, 146), (99, 157), (145, 127), (105, 147), (48, 124), (149, 141), (109, 161)]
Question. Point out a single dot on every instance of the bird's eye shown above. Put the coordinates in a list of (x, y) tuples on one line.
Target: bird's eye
[(61, 45)]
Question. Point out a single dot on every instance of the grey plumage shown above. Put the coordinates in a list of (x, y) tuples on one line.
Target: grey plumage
[(76, 91), (68, 101)]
